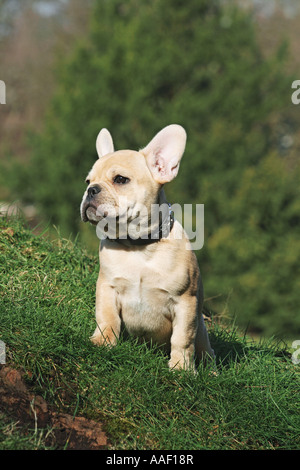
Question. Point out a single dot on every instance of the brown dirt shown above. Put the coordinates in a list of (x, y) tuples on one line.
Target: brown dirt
[(29, 409)]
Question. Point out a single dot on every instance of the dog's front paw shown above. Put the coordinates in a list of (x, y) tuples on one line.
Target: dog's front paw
[(104, 337), (181, 361)]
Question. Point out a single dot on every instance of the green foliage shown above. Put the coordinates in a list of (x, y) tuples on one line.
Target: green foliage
[(145, 65), (261, 249)]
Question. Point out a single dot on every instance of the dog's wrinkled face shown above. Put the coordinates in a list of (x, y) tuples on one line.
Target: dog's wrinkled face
[(127, 182), (118, 183)]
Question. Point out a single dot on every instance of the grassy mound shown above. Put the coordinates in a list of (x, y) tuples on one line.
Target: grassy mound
[(47, 291)]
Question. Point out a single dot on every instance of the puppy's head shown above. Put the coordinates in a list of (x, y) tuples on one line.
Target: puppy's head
[(126, 182)]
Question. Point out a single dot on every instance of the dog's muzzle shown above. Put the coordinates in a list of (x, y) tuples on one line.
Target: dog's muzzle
[(92, 191), (87, 204)]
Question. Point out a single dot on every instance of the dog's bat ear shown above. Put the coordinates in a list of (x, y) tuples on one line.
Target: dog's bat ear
[(104, 143), (164, 152)]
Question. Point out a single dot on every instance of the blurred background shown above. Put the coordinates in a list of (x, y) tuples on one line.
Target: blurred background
[(221, 69)]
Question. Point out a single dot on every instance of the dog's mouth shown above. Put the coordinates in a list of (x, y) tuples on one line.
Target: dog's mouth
[(91, 214), (94, 214)]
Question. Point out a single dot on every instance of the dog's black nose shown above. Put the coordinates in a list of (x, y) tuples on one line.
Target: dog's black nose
[(93, 190)]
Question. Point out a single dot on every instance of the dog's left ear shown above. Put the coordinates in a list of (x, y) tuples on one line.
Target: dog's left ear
[(104, 143), (164, 152)]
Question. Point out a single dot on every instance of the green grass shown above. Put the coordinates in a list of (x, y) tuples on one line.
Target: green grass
[(47, 291), (17, 437)]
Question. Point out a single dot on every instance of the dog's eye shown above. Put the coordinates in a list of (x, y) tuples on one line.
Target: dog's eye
[(119, 179), (87, 181)]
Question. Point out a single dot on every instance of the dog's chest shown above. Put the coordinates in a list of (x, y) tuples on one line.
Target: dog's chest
[(143, 292), (140, 284)]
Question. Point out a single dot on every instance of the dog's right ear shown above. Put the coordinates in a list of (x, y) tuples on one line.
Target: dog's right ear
[(104, 143), (164, 152)]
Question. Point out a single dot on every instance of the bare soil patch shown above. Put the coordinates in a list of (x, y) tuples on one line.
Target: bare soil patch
[(17, 401)]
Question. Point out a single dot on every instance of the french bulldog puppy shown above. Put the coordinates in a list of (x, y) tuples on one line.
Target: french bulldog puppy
[(149, 280)]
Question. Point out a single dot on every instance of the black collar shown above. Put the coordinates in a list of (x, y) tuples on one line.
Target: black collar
[(164, 229)]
